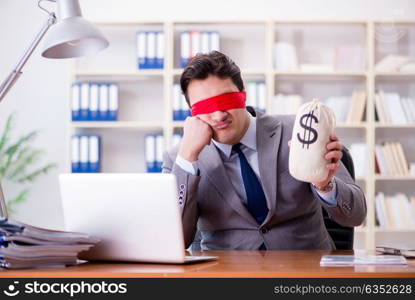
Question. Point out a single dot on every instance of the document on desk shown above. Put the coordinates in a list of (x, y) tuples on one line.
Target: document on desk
[(352, 260)]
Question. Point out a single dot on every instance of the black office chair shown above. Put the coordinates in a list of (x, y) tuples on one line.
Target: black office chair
[(342, 236)]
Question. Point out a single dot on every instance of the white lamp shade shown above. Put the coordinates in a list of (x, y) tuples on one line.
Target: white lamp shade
[(73, 37)]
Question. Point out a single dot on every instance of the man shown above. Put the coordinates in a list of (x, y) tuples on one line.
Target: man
[(232, 171)]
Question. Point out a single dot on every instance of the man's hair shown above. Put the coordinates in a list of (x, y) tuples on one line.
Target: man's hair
[(213, 63)]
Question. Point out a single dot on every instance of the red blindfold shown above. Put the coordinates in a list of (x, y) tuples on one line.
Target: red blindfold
[(222, 102)]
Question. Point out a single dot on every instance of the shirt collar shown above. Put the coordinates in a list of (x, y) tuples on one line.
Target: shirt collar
[(248, 140)]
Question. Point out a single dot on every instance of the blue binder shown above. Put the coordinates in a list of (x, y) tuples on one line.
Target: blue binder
[(76, 102), (84, 102), (113, 102), (94, 154), (75, 151)]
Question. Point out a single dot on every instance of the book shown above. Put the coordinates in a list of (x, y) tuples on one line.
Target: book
[(352, 260)]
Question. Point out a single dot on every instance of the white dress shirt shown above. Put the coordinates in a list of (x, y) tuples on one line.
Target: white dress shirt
[(232, 164)]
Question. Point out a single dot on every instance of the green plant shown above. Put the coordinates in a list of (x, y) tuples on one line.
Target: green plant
[(17, 160)]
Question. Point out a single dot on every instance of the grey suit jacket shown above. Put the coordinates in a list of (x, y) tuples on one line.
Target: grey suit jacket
[(210, 204)]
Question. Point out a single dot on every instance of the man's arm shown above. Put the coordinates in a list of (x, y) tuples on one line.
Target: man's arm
[(350, 209), (187, 187)]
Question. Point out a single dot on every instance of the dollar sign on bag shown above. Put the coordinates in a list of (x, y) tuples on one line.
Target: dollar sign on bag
[(306, 122)]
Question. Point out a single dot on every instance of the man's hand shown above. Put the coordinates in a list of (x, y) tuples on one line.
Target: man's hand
[(196, 135), (334, 154)]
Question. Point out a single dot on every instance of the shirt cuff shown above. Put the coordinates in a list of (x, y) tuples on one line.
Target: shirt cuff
[(186, 165), (329, 198)]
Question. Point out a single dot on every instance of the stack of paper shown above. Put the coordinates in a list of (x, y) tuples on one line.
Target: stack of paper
[(352, 260), (25, 246)]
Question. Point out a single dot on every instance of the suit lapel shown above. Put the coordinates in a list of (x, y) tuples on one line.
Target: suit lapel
[(211, 165), (268, 143)]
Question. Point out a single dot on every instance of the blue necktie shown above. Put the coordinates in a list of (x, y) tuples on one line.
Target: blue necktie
[(257, 204)]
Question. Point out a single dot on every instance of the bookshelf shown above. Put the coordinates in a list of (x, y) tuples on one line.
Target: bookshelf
[(146, 96)]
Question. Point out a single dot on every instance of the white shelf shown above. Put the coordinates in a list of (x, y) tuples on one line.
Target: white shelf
[(395, 74), (394, 178), (379, 125), (246, 72), (328, 73), (394, 230), (118, 125), (137, 73), (161, 80)]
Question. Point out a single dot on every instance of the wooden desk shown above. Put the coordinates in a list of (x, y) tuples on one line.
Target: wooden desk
[(230, 264)]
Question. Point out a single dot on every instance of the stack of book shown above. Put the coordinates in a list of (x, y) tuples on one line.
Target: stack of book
[(256, 95), (94, 101), (86, 154), (150, 49), (395, 212), (391, 159), (393, 109), (25, 246), (194, 42)]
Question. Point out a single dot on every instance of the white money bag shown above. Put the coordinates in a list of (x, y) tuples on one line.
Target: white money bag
[(313, 126)]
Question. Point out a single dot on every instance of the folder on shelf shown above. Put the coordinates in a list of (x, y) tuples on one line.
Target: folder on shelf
[(94, 157), (75, 155), (195, 43), (177, 116), (151, 49), (261, 94), (150, 153), (159, 50), (85, 95), (159, 152), (93, 103), (83, 154), (251, 94), (214, 41), (205, 42), (185, 51), (141, 49), (184, 108), (103, 102), (113, 102), (76, 102)]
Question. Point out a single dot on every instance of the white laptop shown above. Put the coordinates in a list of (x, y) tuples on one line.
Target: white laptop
[(136, 216)]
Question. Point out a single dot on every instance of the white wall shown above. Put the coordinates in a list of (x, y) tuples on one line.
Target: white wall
[(41, 94)]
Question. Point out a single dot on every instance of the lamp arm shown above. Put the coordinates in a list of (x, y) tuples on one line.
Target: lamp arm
[(17, 71), (8, 83)]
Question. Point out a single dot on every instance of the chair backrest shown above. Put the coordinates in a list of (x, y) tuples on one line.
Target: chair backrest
[(342, 236)]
